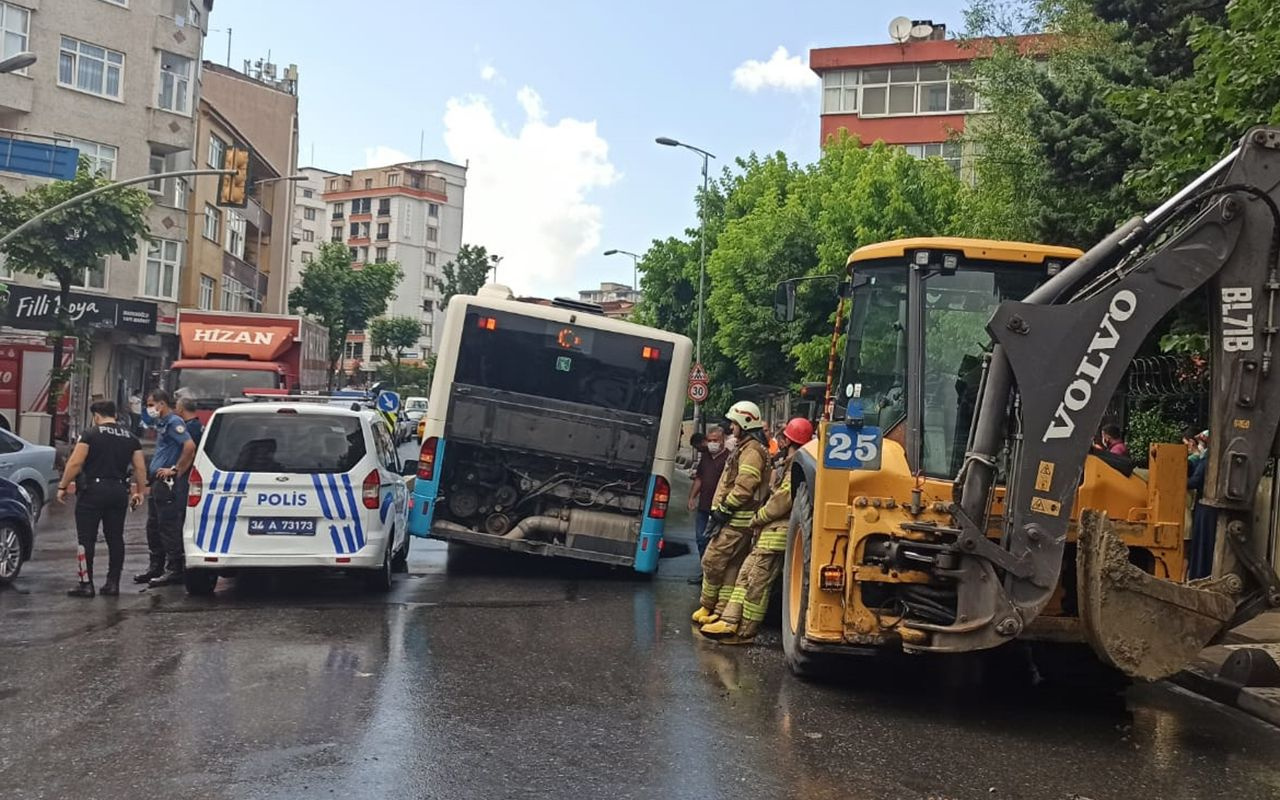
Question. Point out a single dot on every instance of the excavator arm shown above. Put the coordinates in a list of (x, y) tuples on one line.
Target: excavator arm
[(1058, 358)]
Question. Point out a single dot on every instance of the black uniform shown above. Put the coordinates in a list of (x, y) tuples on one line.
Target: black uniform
[(103, 491)]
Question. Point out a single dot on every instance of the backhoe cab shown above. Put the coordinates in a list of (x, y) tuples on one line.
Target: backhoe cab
[(952, 502)]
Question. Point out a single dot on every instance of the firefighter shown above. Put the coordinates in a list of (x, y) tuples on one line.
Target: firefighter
[(750, 597), (742, 486)]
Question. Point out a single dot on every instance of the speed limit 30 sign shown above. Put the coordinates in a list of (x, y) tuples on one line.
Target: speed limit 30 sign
[(698, 392)]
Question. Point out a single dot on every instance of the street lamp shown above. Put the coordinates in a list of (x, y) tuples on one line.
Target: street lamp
[(635, 267), (17, 61), (258, 247), (495, 260), (667, 141)]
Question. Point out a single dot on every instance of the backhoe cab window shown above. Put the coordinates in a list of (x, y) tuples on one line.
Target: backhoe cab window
[(956, 309)]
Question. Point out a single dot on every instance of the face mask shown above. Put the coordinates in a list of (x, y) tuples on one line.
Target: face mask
[(731, 443), (151, 411), (714, 447)]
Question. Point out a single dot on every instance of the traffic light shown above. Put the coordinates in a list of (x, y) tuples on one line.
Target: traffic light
[(233, 189)]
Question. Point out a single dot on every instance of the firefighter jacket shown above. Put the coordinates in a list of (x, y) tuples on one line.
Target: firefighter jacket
[(773, 517), (743, 483)]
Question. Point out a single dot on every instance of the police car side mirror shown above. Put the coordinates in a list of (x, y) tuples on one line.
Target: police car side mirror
[(409, 467)]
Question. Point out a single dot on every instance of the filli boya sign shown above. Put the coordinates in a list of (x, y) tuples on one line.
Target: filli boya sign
[(31, 308)]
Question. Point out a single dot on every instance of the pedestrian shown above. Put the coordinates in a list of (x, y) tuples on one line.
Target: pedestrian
[(749, 600), (135, 412), (743, 483), (1111, 441), (98, 475), (166, 505), (187, 411), (706, 478), (1204, 521)]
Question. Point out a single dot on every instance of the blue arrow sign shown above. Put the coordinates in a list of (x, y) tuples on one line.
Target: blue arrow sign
[(388, 402)]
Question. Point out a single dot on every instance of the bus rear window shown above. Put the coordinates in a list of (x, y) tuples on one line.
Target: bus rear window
[(285, 443), (574, 363)]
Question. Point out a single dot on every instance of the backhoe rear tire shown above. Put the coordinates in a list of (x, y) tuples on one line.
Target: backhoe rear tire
[(795, 590)]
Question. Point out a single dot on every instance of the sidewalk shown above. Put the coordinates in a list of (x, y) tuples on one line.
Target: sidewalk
[(1243, 671)]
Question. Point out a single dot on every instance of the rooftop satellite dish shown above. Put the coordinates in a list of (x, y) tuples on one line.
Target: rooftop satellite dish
[(921, 31), (900, 29)]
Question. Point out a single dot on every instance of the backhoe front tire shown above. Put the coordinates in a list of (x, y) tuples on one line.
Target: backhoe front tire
[(795, 594)]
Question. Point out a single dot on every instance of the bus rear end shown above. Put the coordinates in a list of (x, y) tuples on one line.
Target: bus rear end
[(553, 432)]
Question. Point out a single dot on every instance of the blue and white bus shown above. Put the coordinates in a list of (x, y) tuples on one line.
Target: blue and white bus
[(551, 430)]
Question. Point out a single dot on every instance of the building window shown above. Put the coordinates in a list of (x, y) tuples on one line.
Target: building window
[(175, 83), (368, 183), (433, 233), (193, 15), (90, 68), (308, 235), (217, 152), (306, 257), (14, 24), (911, 90), (364, 256), (393, 179), (840, 91), (384, 230), (355, 230), (949, 152), (102, 157), (361, 205), (212, 220), (428, 306), (433, 210), (336, 236), (355, 253), (233, 292), (94, 277), (338, 210), (380, 255), (353, 351), (384, 206), (308, 213), (431, 258), (429, 281), (163, 258), (307, 194), (205, 302), (169, 192), (121, 3), (333, 185), (235, 234)]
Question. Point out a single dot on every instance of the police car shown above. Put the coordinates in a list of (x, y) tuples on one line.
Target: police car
[(291, 483)]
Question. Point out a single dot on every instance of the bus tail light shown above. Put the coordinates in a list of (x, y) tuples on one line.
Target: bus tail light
[(651, 353), (195, 488), (371, 491), (661, 496), (487, 324), (427, 458)]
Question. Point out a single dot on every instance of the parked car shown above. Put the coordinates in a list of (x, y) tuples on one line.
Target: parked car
[(17, 529), (31, 466)]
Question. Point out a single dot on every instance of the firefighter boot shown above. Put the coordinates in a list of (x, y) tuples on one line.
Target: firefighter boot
[(704, 616), (719, 629)]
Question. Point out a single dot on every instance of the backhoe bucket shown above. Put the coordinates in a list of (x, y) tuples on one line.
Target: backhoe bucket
[(1146, 627)]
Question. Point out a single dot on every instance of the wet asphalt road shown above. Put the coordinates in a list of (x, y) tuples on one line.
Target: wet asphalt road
[(535, 679)]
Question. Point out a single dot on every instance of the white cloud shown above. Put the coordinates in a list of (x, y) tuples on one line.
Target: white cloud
[(383, 156), (527, 189), (782, 71), (488, 72)]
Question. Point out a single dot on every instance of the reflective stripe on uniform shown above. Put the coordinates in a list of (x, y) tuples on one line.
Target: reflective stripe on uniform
[(749, 469), (755, 611), (773, 540)]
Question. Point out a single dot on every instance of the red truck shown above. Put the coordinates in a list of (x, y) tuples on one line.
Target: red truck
[(223, 353), (25, 365)]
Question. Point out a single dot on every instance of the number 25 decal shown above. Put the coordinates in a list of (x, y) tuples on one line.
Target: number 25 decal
[(853, 448)]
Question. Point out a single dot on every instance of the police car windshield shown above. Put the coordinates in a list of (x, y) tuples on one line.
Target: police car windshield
[(306, 443)]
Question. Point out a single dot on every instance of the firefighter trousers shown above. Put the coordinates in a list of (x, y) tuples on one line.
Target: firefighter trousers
[(749, 599), (720, 565)]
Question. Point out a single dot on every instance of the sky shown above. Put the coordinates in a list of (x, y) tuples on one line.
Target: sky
[(554, 106)]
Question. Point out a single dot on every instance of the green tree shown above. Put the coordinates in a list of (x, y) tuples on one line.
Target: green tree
[(70, 242), (468, 272), (341, 297), (391, 336)]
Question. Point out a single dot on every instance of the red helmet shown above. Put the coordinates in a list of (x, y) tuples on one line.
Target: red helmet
[(799, 430)]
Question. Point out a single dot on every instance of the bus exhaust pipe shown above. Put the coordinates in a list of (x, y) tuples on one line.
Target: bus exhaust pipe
[(553, 526)]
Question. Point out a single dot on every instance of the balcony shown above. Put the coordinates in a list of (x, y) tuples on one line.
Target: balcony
[(16, 94), (169, 132), (338, 215), (256, 216), (40, 157), (384, 211), (182, 39)]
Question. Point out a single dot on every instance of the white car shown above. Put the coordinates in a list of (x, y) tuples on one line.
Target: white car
[(296, 484)]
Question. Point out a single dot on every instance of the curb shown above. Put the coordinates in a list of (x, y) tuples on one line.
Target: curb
[(1263, 704)]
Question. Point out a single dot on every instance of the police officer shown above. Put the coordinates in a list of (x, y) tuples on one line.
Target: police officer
[(187, 410), (98, 474), (166, 504)]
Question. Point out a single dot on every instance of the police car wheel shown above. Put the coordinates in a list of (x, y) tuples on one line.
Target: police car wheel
[(200, 582), (379, 580)]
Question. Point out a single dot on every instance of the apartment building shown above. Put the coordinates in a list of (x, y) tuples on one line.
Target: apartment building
[(310, 221), (410, 213), (608, 292), (239, 257), (119, 81), (913, 91)]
